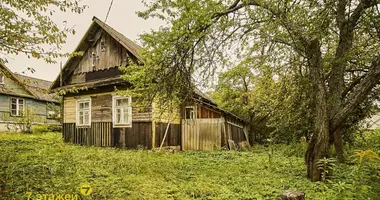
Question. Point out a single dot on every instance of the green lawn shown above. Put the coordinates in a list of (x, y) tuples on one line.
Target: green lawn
[(43, 164)]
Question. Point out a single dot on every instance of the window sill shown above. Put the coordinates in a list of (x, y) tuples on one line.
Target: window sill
[(83, 126), (122, 126)]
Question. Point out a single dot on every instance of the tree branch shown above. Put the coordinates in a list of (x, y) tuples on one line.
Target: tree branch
[(359, 94), (351, 86)]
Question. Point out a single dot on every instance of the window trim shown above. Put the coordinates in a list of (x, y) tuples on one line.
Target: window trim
[(77, 112), (17, 107), (114, 98), (194, 112)]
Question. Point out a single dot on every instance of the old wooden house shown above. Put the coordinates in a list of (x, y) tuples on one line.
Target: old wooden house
[(98, 116), (19, 93)]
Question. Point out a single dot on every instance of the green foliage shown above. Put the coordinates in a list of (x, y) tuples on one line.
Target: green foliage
[(27, 27), (40, 128), (54, 111), (366, 156), (275, 102), (25, 121), (326, 167), (368, 140), (42, 163), (44, 128)]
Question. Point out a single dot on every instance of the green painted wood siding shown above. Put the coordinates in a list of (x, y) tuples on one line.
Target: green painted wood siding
[(39, 109)]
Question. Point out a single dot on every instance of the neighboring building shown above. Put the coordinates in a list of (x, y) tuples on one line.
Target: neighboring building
[(18, 94), (97, 116)]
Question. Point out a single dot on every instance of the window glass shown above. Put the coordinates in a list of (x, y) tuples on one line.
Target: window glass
[(83, 112), (189, 113), (17, 106), (122, 111)]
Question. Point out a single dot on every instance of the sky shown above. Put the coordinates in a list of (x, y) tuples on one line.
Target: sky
[(122, 17)]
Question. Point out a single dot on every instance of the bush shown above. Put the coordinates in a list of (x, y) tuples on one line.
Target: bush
[(44, 128), (55, 128), (368, 140)]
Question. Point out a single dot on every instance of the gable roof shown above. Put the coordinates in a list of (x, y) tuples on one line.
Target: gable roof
[(133, 48), (37, 88), (127, 43), (97, 24)]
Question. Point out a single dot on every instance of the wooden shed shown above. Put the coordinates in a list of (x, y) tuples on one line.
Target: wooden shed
[(94, 114)]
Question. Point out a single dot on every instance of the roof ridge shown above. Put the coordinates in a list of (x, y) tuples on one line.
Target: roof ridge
[(31, 77), (97, 19)]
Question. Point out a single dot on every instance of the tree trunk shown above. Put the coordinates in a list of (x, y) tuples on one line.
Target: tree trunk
[(319, 144), (338, 144)]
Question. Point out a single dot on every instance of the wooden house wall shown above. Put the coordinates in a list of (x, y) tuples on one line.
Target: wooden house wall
[(173, 137), (205, 112), (108, 52), (39, 109), (164, 115), (101, 108), (234, 130), (102, 133)]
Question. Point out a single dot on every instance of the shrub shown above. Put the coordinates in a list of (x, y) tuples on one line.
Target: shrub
[(44, 128)]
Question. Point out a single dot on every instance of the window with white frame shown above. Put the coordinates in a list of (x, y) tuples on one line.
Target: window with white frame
[(84, 112), (122, 111), (17, 106)]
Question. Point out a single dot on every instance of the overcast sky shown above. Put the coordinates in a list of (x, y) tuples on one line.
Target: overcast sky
[(122, 17)]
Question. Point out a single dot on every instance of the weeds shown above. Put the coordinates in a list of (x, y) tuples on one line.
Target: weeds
[(43, 164)]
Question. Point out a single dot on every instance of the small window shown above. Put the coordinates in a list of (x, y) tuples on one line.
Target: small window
[(122, 111), (2, 79), (17, 106), (51, 114), (189, 112), (52, 111), (84, 112)]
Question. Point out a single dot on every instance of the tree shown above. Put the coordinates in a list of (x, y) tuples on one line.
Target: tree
[(273, 101), (26, 27), (335, 45)]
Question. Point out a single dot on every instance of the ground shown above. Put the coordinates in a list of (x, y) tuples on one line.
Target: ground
[(41, 164)]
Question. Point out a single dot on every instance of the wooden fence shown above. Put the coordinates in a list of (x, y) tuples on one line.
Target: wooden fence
[(208, 134), (201, 134)]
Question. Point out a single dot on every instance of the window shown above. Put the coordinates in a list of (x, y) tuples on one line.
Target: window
[(84, 112), (122, 111), (189, 112), (2, 79), (52, 111), (17, 106)]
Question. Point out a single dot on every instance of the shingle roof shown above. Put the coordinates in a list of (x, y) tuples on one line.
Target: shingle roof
[(39, 87)]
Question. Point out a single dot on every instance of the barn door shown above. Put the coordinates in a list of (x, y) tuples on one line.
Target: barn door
[(190, 134)]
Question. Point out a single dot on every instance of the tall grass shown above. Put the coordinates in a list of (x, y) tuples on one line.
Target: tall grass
[(43, 164)]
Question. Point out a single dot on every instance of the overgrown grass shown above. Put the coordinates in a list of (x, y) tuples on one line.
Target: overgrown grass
[(43, 164)]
